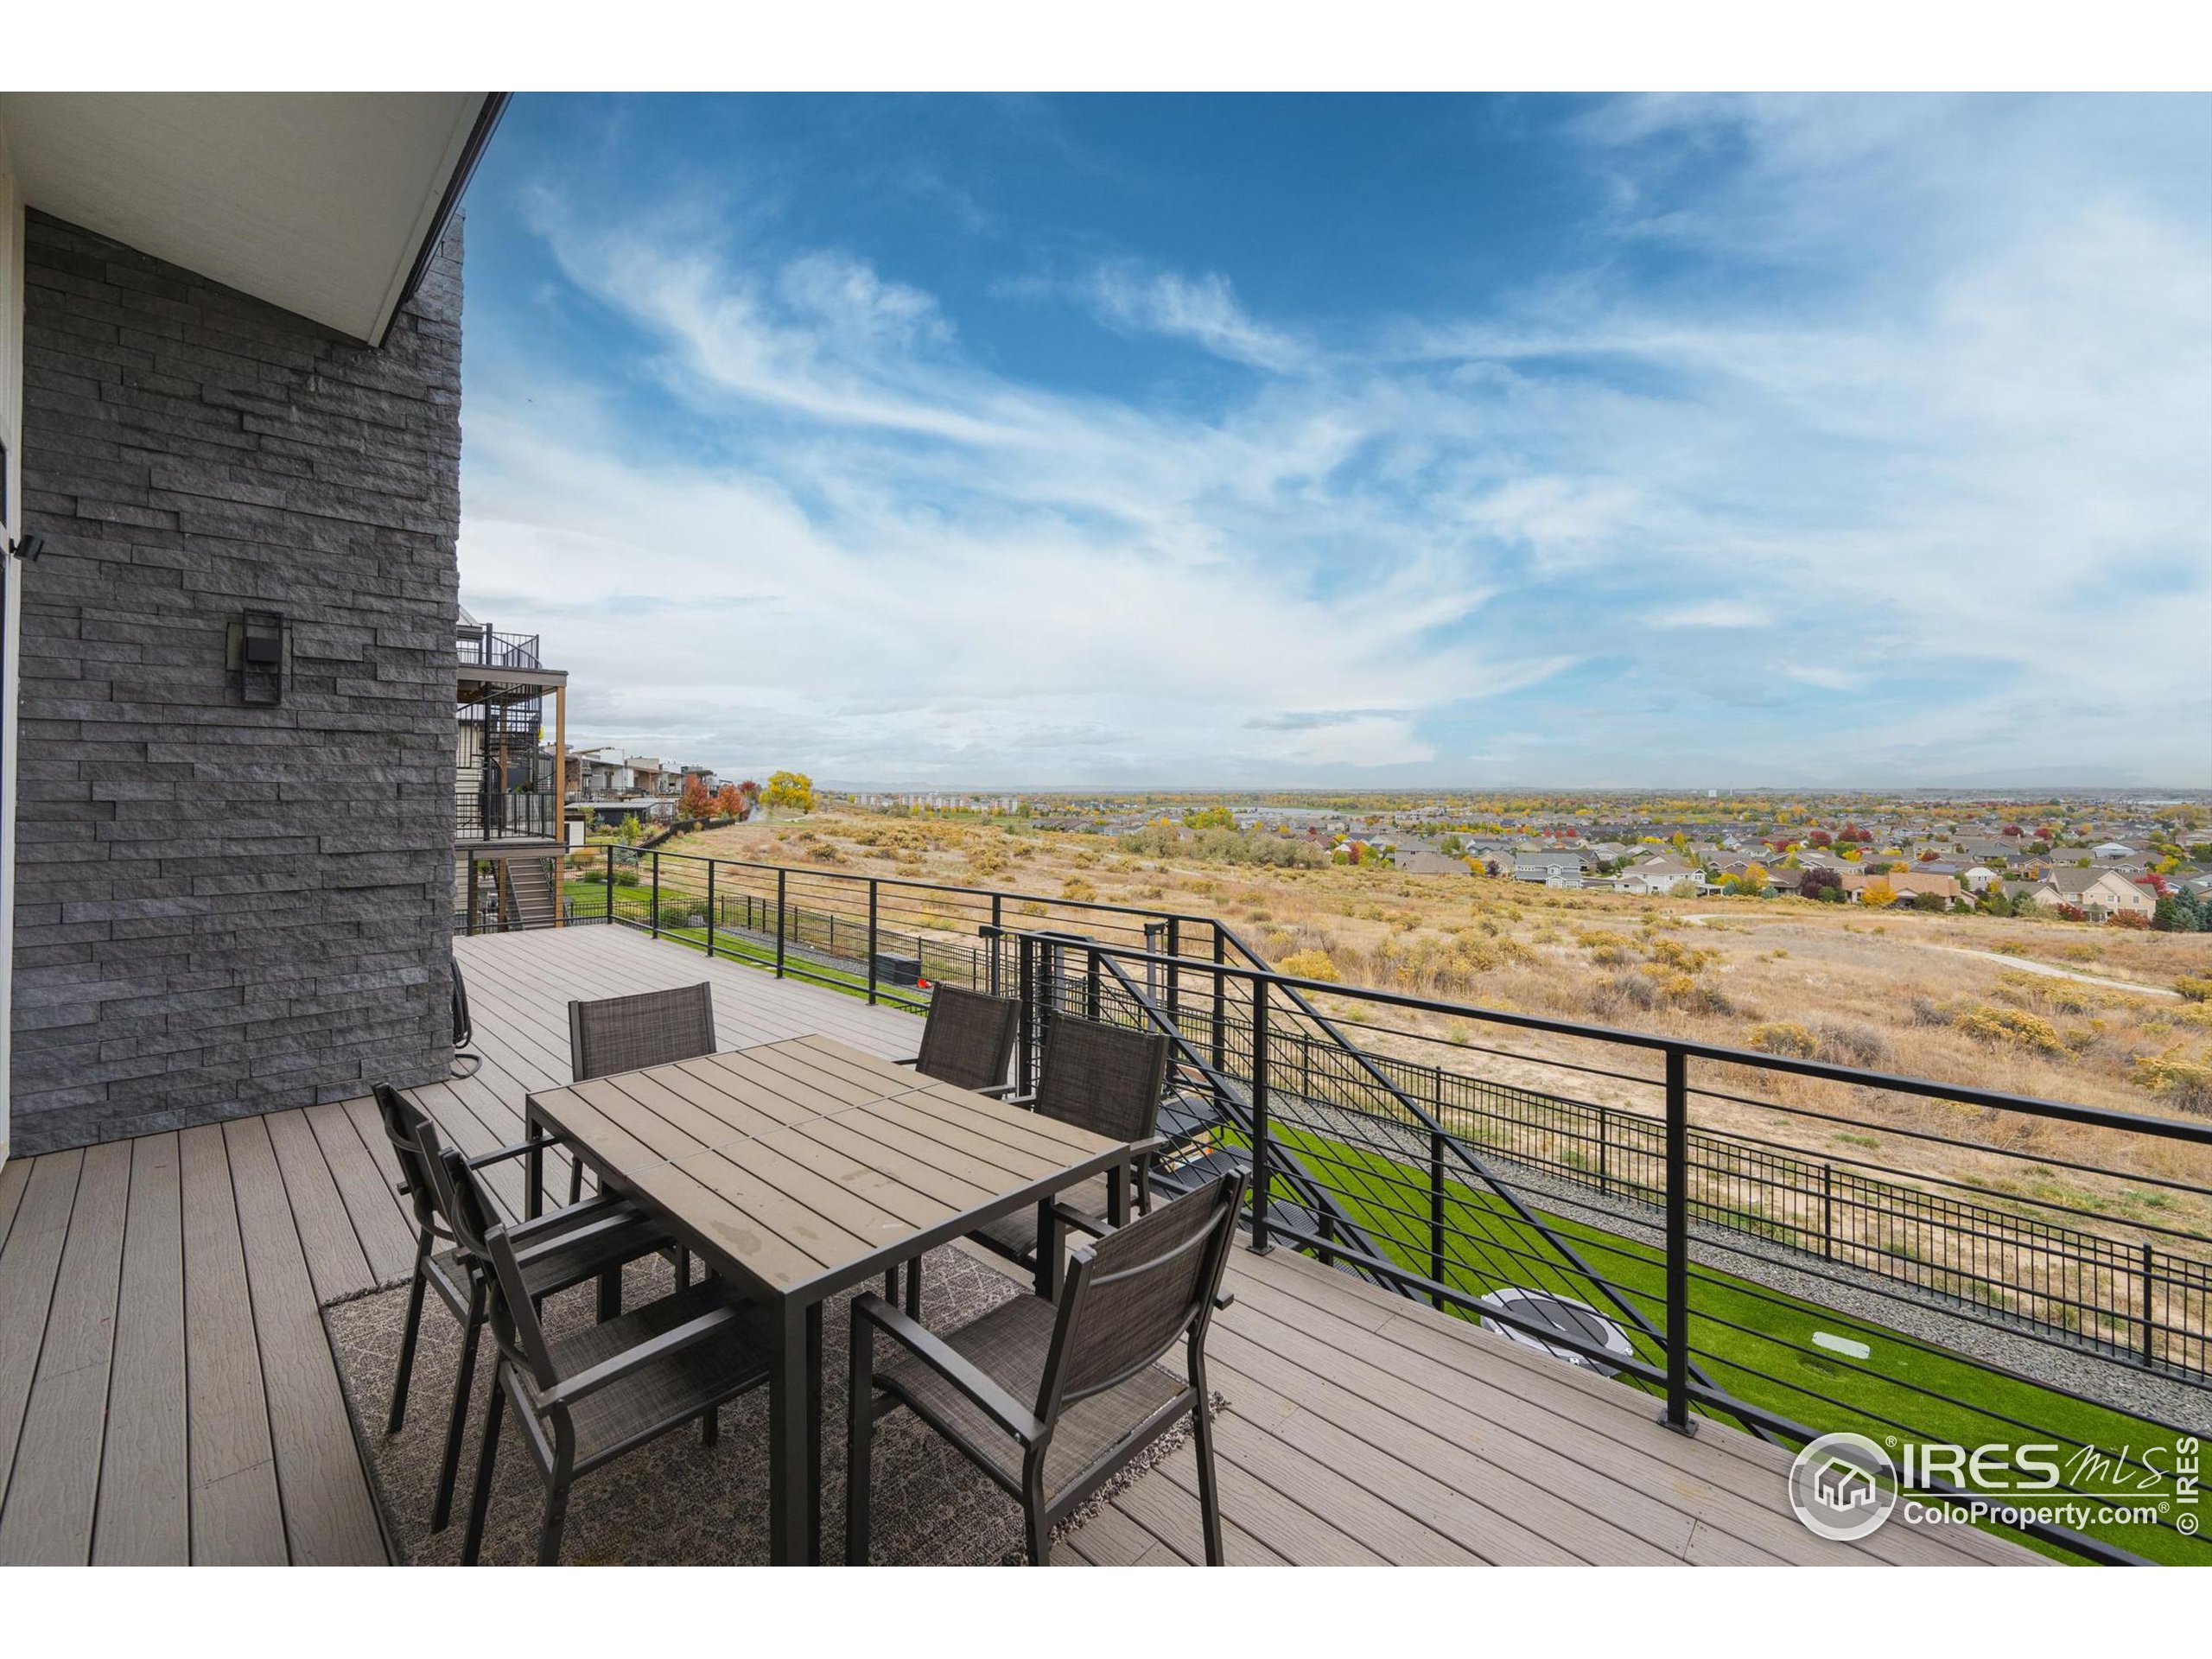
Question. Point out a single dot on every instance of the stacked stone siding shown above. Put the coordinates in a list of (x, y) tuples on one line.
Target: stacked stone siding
[(224, 908)]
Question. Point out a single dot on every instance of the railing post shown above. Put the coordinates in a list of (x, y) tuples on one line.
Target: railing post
[(1436, 1213), (1260, 1160), (871, 939), (1220, 1003), (998, 941), (1828, 1212), (1605, 1152), (1174, 973), (710, 907), (1090, 986), (656, 895), (610, 884), (780, 877), (1677, 1415), (1025, 1018), (2150, 1325)]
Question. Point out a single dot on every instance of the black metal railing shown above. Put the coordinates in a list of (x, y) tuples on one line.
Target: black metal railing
[(481, 646), (484, 810), (2012, 1262), (1719, 1336)]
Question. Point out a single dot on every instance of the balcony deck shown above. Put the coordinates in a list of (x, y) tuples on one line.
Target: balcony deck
[(167, 1395)]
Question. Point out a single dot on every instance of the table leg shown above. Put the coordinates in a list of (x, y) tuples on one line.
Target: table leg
[(533, 1166), (795, 1439), (1048, 1248), (1117, 1196)]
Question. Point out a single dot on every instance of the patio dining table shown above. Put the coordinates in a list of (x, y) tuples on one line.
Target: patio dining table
[(800, 1169)]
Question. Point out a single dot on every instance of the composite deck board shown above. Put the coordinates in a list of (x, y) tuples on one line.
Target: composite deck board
[(29, 1262), (143, 1516), (237, 1517), (173, 1280), (335, 1260), (369, 1193), (329, 1519), (56, 1480)]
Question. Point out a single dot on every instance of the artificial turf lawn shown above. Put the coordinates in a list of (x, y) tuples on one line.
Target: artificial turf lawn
[(1754, 1342)]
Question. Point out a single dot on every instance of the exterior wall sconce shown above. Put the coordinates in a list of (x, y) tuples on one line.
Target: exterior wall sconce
[(257, 656)]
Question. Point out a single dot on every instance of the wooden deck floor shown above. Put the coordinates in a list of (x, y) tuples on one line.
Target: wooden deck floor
[(167, 1396)]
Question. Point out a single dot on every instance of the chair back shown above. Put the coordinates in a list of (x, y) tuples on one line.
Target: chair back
[(623, 1034), (1104, 1078), (969, 1039), (403, 1126), (1134, 1292), (481, 1231)]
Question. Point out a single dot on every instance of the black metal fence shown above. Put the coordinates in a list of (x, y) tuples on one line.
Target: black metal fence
[(1361, 1160)]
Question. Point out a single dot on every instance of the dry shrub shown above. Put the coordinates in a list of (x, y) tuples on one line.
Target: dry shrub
[(2196, 990), (1077, 890), (2009, 1025), (1847, 1042), (2173, 1076), (1785, 1037), (1311, 964)]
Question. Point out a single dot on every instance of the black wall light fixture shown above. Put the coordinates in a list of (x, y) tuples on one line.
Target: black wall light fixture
[(257, 656)]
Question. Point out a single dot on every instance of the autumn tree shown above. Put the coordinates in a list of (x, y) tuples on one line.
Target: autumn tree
[(695, 803), (793, 791), (728, 803)]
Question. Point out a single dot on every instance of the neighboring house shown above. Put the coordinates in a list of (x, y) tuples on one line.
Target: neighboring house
[(2101, 895), (1977, 878), (229, 395), (1662, 872), (2112, 852), (650, 777), (508, 808), (1855, 882), (1555, 869), (1424, 862)]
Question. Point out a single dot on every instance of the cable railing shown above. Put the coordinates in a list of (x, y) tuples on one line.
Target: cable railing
[(1936, 1226), (481, 646), (1744, 1317)]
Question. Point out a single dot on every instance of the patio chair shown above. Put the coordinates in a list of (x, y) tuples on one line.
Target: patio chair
[(1051, 1402), (586, 1396), (967, 1040), (584, 1241), (627, 1034), (1107, 1079)]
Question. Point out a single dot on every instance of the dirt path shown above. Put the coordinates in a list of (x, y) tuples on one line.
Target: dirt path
[(2023, 963)]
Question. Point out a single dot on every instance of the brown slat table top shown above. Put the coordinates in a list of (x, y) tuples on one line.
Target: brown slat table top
[(809, 1165)]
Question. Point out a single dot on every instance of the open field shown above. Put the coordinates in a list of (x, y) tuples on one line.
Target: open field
[(1786, 975)]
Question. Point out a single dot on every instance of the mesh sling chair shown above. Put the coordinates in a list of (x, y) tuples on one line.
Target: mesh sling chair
[(1051, 1402), (582, 1242), (627, 1034), (967, 1040), (586, 1396), (1107, 1079)]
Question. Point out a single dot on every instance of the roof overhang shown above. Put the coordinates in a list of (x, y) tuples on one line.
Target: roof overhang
[(328, 204)]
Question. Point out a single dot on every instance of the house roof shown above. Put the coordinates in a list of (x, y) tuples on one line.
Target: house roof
[(328, 204)]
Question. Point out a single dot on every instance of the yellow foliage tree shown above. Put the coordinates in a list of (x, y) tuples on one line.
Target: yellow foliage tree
[(792, 790), (1878, 892)]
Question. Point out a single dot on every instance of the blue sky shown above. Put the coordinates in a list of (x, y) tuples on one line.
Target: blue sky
[(1355, 441)]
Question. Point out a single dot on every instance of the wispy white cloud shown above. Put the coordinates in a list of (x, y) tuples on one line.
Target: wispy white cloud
[(1202, 310), (1950, 485)]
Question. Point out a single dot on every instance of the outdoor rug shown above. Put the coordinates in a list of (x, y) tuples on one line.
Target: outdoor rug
[(677, 1502)]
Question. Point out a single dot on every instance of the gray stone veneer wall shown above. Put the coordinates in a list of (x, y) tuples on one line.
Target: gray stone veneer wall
[(222, 909)]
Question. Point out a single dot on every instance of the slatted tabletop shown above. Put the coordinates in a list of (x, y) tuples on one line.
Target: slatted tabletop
[(810, 1165)]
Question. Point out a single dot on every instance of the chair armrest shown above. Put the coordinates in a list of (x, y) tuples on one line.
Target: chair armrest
[(989, 1396), (911, 1059), (515, 1151), (591, 1379), (1005, 1092), (610, 1218), (1072, 1217)]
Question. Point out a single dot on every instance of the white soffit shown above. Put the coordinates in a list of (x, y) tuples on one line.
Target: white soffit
[(318, 202)]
